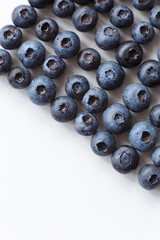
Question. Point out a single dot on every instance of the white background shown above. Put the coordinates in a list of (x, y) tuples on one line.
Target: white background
[(52, 186)]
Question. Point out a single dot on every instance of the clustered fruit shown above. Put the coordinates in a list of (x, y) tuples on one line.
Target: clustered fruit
[(116, 118)]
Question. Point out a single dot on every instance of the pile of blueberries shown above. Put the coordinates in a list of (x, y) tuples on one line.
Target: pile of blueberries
[(110, 75)]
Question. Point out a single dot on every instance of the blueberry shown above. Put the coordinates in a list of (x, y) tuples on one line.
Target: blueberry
[(63, 8), (143, 4), (84, 18), (31, 53), (129, 54), (5, 61), (149, 176), (143, 136), (107, 37), (154, 17), (136, 97), (66, 44), (76, 86), (110, 75), (158, 54), (19, 77), (39, 3), (125, 159), (46, 29), (89, 59), (64, 109), (10, 37), (117, 118), (95, 100), (149, 73), (86, 124), (156, 156), (155, 115), (42, 90), (24, 16), (103, 143), (103, 5), (142, 32), (53, 66), (82, 2), (121, 16)]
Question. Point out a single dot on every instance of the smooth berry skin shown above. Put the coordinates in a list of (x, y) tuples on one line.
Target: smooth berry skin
[(136, 97), (31, 53), (154, 115), (66, 44), (156, 156), (110, 75), (24, 16), (42, 90), (5, 61), (76, 86), (95, 100), (107, 37), (103, 143), (125, 159), (53, 67), (82, 2), (39, 3), (103, 6), (142, 32), (149, 176), (129, 54), (89, 59), (121, 16), (63, 8), (84, 18), (85, 124), (143, 5), (149, 73), (158, 54), (143, 136), (46, 29), (10, 37), (154, 17), (64, 109), (19, 77), (117, 118)]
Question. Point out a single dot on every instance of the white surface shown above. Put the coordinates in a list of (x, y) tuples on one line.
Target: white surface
[(52, 186)]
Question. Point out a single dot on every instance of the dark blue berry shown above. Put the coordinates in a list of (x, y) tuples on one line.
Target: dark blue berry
[(84, 18), (86, 124), (158, 54), (117, 118), (24, 16), (64, 109), (39, 3), (154, 16), (46, 29), (19, 77), (66, 44), (103, 5), (125, 159), (63, 8), (42, 90), (121, 16), (129, 54), (103, 143), (143, 4), (136, 97), (143, 136), (110, 75), (10, 37), (149, 176), (89, 59), (142, 32), (95, 100), (5, 61), (31, 53), (107, 37), (156, 156), (76, 86), (155, 115)]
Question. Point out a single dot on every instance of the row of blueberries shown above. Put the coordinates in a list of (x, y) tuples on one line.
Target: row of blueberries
[(110, 75)]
